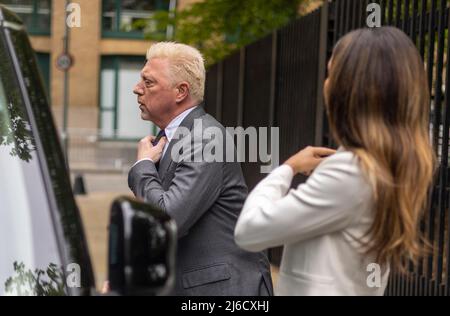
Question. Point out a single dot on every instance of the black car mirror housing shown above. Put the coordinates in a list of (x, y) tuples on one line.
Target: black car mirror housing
[(142, 249)]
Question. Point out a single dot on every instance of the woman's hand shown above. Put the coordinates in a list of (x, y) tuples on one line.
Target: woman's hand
[(308, 159)]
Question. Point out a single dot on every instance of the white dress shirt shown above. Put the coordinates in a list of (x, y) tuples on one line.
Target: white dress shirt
[(319, 223), (170, 131)]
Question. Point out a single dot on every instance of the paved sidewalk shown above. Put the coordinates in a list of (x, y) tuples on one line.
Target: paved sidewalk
[(95, 209)]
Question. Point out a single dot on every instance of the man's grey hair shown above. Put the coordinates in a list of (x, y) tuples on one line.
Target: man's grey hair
[(186, 64)]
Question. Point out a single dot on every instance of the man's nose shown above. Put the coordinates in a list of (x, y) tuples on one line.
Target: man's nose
[(138, 89)]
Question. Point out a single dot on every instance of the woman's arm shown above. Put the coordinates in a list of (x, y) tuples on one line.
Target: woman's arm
[(329, 201)]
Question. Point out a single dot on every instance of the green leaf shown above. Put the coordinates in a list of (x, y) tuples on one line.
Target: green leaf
[(220, 27)]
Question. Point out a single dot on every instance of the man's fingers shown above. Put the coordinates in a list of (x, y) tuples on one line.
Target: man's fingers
[(162, 142), (105, 288), (148, 139)]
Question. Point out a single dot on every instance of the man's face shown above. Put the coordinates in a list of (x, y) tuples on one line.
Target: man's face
[(156, 94)]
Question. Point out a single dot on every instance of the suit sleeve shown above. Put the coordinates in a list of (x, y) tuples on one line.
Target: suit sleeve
[(273, 215), (194, 189)]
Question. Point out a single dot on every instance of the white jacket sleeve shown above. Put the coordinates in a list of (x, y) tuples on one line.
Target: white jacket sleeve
[(328, 202)]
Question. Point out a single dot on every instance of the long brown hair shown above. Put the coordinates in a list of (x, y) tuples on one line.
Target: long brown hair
[(378, 107)]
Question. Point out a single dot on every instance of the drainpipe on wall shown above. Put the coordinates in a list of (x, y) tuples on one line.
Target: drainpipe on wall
[(171, 28)]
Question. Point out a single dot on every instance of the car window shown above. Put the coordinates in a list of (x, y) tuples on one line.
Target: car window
[(66, 218), (30, 263)]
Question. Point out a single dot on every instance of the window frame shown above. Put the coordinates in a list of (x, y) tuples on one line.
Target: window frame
[(33, 29), (116, 33)]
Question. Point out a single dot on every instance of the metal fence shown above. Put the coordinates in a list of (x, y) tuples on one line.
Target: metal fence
[(88, 152), (278, 81)]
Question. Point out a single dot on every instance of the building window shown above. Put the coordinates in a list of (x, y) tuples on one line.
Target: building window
[(120, 116), (36, 14), (119, 17)]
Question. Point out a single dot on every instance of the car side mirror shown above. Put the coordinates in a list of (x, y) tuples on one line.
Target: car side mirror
[(142, 249)]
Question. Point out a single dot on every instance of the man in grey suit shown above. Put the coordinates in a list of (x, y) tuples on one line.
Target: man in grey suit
[(204, 198)]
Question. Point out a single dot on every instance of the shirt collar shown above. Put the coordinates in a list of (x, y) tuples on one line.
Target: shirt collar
[(175, 123)]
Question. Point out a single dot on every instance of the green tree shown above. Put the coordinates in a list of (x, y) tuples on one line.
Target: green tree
[(220, 27)]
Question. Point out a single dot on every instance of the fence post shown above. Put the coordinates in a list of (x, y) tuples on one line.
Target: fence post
[(240, 110), (79, 188), (273, 78), (322, 66), (219, 98)]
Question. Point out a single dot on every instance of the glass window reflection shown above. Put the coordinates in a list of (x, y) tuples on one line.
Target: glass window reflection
[(30, 263)]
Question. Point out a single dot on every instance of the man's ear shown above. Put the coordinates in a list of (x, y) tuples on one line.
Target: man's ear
[(182, 92)]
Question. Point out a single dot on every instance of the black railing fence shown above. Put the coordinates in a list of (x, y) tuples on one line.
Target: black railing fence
[(278, 81)]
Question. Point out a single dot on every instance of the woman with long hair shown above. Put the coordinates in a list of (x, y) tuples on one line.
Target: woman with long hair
[(358, 213)]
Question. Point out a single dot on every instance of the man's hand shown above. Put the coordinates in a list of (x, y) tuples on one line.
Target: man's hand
[(105, 288), (308, 159), (147, 151)]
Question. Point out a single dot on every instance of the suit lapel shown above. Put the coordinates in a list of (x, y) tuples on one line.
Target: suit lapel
[(188, 123)]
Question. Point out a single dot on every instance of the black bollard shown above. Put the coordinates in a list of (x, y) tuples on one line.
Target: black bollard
[(79, 188)]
